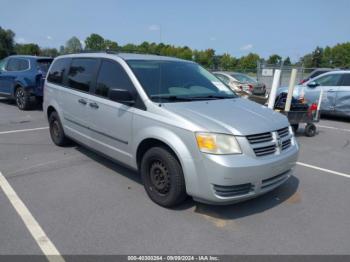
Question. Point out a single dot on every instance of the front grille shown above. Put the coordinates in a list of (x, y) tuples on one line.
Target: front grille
[(266, 150), (232, 191), (260, 138), (286, 144), (283, 132), (273, 180)]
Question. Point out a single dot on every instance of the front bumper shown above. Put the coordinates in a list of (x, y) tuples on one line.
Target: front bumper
[(226, 179)]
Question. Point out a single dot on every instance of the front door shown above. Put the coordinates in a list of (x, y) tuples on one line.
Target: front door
[(111, 122)]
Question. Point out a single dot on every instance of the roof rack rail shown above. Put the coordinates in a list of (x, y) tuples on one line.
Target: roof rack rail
[(118, 52)]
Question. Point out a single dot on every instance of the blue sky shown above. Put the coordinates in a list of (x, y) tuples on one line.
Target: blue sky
[(289, 28)]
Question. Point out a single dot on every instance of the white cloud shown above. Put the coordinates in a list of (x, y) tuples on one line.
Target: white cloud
[(20, 40), (154, 28), (49, 38), (246, 47)]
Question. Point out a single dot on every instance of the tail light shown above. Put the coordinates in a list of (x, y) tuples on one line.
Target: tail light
[(250, 87)]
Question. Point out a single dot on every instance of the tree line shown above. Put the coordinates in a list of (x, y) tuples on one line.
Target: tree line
[(337, 56)]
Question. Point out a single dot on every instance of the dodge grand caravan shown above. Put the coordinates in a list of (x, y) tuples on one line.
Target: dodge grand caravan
[(173, 121)]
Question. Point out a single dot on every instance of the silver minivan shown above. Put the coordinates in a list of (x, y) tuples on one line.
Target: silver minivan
[(184, 130)]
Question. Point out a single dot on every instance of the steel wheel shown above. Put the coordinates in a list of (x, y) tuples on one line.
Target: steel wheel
[(160, 178)]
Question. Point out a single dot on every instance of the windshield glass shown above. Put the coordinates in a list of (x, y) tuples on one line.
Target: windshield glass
[(178, 81), (244, 78), (43, 65)]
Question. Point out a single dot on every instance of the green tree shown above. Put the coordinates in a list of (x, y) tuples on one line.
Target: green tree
[(287, 61), (111, 45), (6, 42), (341, 55), (227, 62), (27, 49), (50, 52), (95, 42), (73, 45), (317, 57), (274, 59), (205, 58), (248, 62)]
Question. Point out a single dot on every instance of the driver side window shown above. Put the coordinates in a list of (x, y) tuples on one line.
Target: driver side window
[(329, 80)]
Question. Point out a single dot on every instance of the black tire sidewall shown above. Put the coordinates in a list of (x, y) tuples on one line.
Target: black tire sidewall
[(177, 192), (59, 140), (26, 104), (310, 130)]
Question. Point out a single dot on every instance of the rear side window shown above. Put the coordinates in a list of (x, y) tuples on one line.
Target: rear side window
[(346, 80), (57, 71), (82, 73), (112, 76), (223, 78), (17, 64)]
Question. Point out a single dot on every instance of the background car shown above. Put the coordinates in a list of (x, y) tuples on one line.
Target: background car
[(242, 84), (316, 72), (22, 79), (336, 88)]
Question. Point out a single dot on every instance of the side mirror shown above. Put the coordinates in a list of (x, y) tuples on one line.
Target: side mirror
[(312, 84), (121, 96)]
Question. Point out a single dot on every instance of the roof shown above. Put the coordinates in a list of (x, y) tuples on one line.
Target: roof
[(126, 56), (31, 57)]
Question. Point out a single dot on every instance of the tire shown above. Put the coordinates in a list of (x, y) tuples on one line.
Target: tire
[(22, 97), (162, 177), (56, 130), (310, 130), (295, 127)]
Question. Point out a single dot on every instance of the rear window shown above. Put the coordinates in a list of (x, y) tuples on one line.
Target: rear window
[(43, 65), (58, 70)]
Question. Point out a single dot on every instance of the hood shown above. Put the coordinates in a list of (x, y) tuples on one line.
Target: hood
[(237, 116)]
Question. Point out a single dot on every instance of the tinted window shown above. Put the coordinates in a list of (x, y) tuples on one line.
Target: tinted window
[(17, 64), (346, 80), (223, 78), (329, 80), (43, 65), (57, 71), (112, 76), (81, 73)]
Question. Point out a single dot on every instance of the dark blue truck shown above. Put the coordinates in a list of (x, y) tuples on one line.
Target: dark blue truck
[(22, 79)]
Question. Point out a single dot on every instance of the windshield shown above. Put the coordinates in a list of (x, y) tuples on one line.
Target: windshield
[(171, 81), (244, 78), (44, 64)]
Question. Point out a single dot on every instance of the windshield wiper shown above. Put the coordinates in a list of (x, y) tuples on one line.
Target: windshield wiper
[(211, 97), (172, 97)]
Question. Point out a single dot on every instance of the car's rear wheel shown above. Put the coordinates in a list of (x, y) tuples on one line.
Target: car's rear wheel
[(163, 177), (56, 130), (22, 97)]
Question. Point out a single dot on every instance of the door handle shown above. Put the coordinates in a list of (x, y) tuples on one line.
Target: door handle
[(94, 105), (82, 101)]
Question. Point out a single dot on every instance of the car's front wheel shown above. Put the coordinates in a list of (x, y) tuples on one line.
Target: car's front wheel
[(163, 177)]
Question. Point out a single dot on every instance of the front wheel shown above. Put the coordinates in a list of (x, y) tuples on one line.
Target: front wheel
[(310, 130), (162, 176)]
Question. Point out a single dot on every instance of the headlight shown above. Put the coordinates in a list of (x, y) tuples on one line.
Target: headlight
[(219, 144)]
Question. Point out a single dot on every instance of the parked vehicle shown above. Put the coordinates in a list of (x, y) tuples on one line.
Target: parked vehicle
[(22, 78), (316, 72), (242, 84), (173, 121), (336, 92)]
